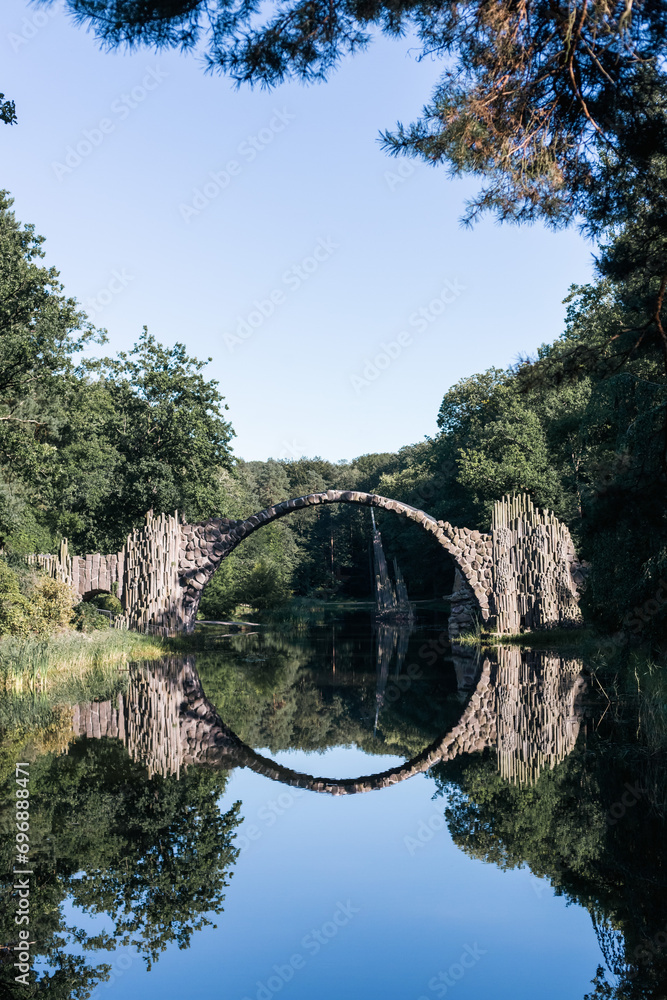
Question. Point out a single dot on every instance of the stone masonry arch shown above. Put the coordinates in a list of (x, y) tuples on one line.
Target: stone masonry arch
[(204, 546), (522, 575)]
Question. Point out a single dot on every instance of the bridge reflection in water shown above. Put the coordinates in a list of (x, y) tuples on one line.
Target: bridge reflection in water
[(529, 706)]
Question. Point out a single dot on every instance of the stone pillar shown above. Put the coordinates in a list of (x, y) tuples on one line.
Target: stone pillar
[(152, 591), (464, 614), (535, 569)]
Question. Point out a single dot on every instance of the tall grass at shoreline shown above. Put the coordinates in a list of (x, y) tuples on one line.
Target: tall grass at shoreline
[(556, 638), (42, 677), (35, 663)]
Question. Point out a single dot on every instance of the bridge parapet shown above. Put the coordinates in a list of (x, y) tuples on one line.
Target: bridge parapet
[(84, 574)]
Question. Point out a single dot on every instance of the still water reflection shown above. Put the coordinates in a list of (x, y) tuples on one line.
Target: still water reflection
[(462, 803)]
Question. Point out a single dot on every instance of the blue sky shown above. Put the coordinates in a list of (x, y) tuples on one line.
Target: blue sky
[(333, 287)]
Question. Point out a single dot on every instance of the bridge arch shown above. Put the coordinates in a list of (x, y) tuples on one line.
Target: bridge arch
[(205, 545), (218, 746), (524, 574), (529, 706)]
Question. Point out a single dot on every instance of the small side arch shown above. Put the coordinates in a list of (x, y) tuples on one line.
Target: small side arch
[(95, 592)]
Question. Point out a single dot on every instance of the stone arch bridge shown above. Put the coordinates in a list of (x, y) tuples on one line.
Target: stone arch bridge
[(522, 574), (529, 707)]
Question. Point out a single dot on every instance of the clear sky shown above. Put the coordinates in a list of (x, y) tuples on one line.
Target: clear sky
[(268, 231)]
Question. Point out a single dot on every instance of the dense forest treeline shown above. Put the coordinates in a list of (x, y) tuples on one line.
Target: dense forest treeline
[(88, 444)]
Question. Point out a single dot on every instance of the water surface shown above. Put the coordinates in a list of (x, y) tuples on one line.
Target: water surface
[(348, 809)]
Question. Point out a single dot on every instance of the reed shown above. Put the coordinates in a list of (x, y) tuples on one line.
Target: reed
[(582, 639), (36, 664)]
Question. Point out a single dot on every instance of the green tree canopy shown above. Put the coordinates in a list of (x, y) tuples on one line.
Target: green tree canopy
[(143, 430), (87, 447), (41, 331), (7, 111)]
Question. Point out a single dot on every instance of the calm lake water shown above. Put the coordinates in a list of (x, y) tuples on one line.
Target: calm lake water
[(205, 837)]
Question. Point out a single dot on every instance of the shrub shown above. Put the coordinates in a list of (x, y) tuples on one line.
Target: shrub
[(108, 602), (14, 606), (264, 587), (52, 603), (9, 582), (45, 607), (220, 595), (86, 618)]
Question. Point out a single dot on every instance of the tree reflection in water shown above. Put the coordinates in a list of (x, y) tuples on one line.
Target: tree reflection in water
[(152, 853), (125, 825)]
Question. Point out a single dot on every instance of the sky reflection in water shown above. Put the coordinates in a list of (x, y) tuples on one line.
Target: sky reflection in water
[(365, 896)]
